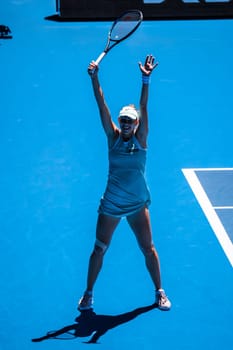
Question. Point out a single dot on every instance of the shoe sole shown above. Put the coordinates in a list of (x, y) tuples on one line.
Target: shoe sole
[(164, 309), (83, 308)]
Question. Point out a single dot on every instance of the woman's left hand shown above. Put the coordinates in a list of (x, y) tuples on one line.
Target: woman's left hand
[(149, 65)]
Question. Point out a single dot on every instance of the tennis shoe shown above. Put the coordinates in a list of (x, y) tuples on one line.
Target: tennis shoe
[(162, 300), (86, 302)]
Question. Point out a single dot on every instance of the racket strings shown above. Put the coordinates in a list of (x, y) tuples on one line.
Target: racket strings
[(124, 26)]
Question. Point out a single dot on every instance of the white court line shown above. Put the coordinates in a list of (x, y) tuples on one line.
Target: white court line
[(209, 211), (222, 207), (211, 169)]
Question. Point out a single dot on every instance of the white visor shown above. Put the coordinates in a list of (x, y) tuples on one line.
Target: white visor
[(129, 112)]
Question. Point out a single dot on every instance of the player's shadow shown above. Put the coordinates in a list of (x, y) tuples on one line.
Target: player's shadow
[(89, 324)]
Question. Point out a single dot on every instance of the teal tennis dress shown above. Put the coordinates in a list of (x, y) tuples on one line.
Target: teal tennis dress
[(126, 191)]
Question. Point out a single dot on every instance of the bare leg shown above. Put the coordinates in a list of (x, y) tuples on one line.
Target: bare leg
[(140, 224), (104, 231)]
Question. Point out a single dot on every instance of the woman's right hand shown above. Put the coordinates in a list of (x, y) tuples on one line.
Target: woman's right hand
[(93, 69)]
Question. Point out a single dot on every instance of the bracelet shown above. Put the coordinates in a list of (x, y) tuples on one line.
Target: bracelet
[(146, 79)]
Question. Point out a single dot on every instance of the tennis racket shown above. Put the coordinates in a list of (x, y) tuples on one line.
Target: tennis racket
[(121, 29)]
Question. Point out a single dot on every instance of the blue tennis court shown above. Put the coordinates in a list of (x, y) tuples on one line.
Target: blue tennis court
[(54, 169)]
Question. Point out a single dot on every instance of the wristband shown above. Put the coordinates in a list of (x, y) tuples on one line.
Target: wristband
[(146, 79)]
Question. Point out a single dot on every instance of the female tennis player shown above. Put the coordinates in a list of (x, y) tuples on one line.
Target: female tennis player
[(126, 194)]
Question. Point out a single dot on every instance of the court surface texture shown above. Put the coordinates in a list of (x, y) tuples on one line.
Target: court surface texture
[(54, 169)]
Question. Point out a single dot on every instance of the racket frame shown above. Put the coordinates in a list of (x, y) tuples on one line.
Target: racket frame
[(116, 42)]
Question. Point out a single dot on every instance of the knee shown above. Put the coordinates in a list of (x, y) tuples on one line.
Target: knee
[(148, 250), (100, 247)]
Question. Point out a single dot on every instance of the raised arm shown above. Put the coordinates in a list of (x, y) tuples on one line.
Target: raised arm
[(146, 69), (109, 126)]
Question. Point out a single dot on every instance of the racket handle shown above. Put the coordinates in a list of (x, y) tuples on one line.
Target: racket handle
[(101, 56), (99, 59)]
